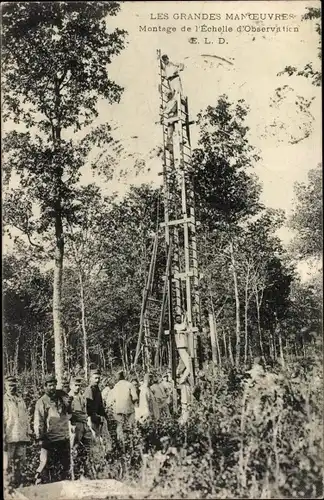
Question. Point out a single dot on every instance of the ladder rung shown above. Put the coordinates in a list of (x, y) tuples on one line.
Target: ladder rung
[(153, 321), (153, 328), (185, 220), (152, 318), (152, 299), (183, 276)]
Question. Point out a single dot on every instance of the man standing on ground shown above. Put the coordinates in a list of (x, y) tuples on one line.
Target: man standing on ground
[(124, 397), (148, 409), (136, 385), (82, 436), (105, 391), (161, 397), (66, 383), (16, 432), (51, 426), (94, 404)]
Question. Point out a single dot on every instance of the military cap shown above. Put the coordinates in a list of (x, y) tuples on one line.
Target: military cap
[(11, 379), (77, 379), (49, 378)]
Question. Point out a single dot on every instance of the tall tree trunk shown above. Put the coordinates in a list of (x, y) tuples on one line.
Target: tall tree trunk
[(282, 359), (59, 242), (33, 365), (16, 356), (57, 299), (225, 345), (250, 352), (121, 349), (126, 357), (246, 309), (213, 338), (258, 304), (230, 350), (237, 307), (213, 321), (102, 357), (271, 351), (78, 262), (83, 326)]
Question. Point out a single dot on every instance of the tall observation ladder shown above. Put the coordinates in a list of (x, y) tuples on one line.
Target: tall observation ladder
[(180, 221), (180, 295)]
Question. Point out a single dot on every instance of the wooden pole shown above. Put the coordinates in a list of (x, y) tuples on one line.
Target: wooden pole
[(162, 314), (215, 327), (173, 362), (144, 301), (213, 337)]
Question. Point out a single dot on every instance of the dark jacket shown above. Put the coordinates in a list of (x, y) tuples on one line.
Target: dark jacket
[(51, 417), (94, 404)]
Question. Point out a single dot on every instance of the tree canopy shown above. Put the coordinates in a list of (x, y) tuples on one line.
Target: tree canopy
[(307, 216)]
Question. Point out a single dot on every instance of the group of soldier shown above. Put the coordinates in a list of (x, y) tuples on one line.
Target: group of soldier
[(69, 422)]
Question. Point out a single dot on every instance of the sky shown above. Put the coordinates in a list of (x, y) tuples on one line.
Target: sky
[(278, 123)]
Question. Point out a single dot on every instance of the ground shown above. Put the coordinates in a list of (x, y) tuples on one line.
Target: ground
[(79, 490)]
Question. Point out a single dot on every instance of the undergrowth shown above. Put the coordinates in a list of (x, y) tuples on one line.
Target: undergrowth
[(249, 435)]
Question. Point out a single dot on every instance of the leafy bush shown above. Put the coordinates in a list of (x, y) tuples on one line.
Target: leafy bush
[(252, 435)]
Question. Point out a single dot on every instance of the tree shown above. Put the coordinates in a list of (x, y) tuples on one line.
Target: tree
[(306, 218), (26, 299), (55, 59), (308, 71), (226, 191), (247, 280)]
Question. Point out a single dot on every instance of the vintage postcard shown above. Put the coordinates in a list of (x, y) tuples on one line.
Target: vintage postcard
[(162, 249)]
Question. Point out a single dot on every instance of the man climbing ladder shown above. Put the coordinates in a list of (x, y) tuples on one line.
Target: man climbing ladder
[(171, 71)]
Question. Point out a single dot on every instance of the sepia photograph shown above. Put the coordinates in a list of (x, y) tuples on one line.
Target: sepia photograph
[(162, 250)]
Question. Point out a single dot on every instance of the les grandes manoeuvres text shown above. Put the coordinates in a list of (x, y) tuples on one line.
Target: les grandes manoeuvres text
[(247, 16)]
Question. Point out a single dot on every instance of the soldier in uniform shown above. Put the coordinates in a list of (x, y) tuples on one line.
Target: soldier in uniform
[(51, 425), (82, 436), (16, 432), (124, 397), (95, 408)]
